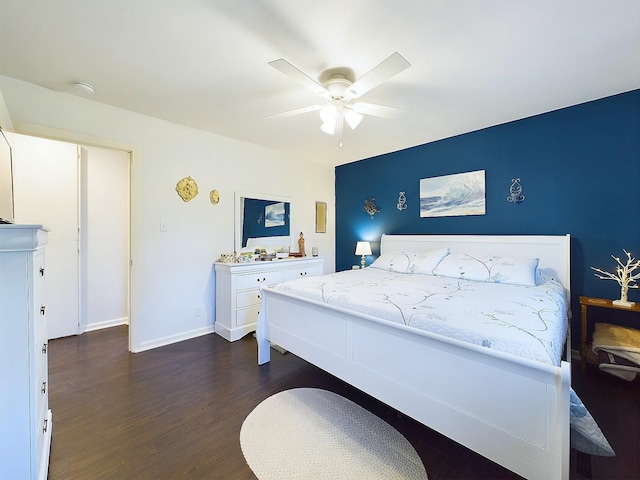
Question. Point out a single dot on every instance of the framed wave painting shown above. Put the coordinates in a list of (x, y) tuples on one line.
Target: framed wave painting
[(274, 215), (453, 195)]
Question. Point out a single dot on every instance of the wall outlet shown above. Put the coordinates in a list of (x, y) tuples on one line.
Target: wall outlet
[(199, 311)]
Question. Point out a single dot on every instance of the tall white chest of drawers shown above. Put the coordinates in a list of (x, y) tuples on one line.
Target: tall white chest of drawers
[(238, 290), (25, 418)]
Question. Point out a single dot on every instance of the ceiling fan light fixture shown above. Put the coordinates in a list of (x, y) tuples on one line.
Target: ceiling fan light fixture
[(352, 118), (338, 90), (329, 127), (328, 113)]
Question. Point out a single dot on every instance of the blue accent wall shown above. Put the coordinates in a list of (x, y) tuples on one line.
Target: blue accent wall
[(580, 173)]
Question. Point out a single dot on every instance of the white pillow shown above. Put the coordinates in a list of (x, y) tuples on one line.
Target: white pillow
[(424, 263), (544, 275), (489, 268), (393, 262), (410, 262)]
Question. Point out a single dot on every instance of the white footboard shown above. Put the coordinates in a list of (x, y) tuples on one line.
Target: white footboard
[(512, 411)]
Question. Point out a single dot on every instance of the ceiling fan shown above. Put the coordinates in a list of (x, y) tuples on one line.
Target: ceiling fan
[(339, 90)]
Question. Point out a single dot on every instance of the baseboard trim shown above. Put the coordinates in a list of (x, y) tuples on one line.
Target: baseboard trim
[(106, 324), (161, 342)]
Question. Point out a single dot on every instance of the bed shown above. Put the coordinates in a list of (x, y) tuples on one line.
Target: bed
[(511, 409)]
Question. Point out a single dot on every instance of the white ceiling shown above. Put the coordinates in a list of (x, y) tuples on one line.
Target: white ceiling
[(204, 63)]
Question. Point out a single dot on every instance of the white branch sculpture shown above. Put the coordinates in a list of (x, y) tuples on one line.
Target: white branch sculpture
[(624, 276)]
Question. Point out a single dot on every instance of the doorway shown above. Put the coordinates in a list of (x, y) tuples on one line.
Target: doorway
[(81, 193)]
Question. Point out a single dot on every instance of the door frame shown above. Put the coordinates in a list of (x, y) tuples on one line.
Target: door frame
[(90, 140)]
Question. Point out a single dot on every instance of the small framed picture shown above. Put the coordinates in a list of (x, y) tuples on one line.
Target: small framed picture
[(321, 217)]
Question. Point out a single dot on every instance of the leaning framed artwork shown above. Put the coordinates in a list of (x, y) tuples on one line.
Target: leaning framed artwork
[(453, 195)]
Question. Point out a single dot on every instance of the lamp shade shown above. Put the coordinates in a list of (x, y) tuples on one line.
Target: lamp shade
[(363, 248)]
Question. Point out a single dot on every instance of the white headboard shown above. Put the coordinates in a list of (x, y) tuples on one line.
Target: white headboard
[(553, 251)]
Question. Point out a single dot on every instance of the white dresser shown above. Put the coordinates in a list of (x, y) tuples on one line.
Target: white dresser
[(25, 418), (238, 290)]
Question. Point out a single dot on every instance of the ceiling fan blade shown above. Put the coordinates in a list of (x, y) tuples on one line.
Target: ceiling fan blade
[(303, 79), (391, 66), (380, 110), (297, 111)]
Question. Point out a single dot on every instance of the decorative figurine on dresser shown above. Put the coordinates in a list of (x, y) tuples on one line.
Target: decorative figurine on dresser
[(238, 289), (301, 245), (24, 398)]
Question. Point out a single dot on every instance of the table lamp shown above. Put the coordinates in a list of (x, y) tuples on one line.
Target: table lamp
[(363, 248)]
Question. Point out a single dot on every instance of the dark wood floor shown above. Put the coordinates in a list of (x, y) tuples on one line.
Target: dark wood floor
[(175, 412)]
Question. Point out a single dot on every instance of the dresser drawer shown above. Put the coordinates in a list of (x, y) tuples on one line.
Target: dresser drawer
[(247, 316), (40, 358), (39, 294), (308, 271), (44, 431), (39, 321), (247, 298), (254, 280), (41, 386), (39, 273)]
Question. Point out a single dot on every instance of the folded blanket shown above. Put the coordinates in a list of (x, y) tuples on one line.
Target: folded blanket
[(618, 350)]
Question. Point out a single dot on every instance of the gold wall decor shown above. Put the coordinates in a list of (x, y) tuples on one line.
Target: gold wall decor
[(214, 196), (187, 188)]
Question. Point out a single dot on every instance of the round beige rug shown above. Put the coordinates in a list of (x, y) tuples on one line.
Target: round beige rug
[(308, 433)]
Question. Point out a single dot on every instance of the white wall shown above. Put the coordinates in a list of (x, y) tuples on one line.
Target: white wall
[(172, 272)]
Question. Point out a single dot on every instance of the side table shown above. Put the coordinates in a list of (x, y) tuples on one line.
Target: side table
[(585, 303)]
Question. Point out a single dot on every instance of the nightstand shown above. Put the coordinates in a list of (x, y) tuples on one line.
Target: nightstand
[(585, 303)]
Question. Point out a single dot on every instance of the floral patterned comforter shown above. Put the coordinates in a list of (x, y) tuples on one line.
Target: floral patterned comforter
[(528, 321)]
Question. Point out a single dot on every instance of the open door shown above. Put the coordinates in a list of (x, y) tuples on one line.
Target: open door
[(46, 192)]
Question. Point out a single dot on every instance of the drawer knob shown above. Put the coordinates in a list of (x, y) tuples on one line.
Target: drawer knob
[(44, 348), (42, 271), (42, 309), (44, 388), (303, 274), (259, 297), (45, 426), (260, 280)]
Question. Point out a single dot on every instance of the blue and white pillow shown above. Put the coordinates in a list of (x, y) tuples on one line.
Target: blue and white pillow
[(489, 268), (410, 262)]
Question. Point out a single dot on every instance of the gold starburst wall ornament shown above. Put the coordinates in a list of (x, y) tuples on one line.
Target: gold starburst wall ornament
[(187, 188)]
